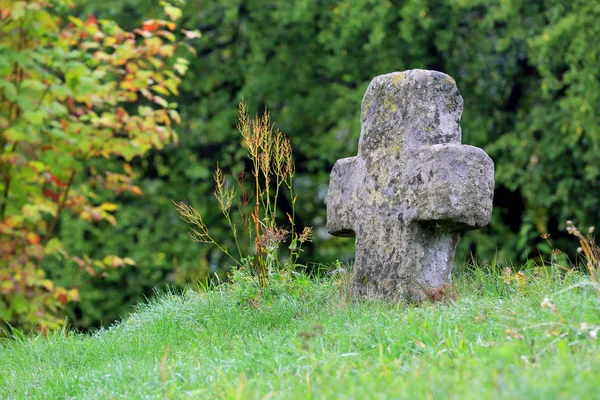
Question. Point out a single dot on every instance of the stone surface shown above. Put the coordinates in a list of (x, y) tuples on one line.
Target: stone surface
[(412, 188)]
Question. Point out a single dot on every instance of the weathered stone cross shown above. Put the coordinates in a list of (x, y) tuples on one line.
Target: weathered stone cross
[(411, 189)]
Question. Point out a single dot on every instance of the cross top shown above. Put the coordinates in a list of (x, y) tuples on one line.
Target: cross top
[(412, 188), (411, 109)]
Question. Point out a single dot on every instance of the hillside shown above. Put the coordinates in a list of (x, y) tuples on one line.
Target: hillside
[(301, 339)]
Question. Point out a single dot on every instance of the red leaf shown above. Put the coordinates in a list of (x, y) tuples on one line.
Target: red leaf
[(57, 181), (150, 25), (91, 20), (62, 298), (51, 195)]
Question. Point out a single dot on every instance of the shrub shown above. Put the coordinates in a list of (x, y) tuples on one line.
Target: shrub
[(72, 91)]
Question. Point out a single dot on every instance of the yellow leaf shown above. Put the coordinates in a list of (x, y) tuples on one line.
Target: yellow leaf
[(35, 251), (146, 94), (6, 287), (167, 50), (14, 135), (173, 12), (110, 41), (161, 89), (110, 218), (73, 294), (76, 21), (127, 85), (117, 262), (156, 63), (137, 191), (167, 34), (54, 246), (89, 45), (48, 284), (129, 261), (181, 68), (85, 216), (160, 101), (109, 207), (175, 116), (32, 238)]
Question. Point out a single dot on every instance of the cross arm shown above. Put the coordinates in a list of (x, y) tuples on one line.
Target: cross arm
[(343, 197), (453, 186)]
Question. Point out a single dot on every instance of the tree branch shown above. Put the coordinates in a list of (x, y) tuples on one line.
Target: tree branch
[(61, 205)]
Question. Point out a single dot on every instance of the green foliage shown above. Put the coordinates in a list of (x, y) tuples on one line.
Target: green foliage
[(527, 71), (300, 341), (70, 94)]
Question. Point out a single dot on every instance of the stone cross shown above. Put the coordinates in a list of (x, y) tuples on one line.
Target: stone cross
[(412, 188)]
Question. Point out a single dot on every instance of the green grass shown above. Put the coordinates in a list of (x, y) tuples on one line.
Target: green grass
[(301, 341)]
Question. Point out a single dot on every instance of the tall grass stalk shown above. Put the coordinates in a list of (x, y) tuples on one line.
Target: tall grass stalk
[(272, 167), (588, 248)]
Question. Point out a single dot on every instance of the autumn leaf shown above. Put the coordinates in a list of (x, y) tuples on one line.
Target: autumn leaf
[(129, 261), (167, 34), (150, 25), (73, 294), (181, 68), (91, 21), (51, 195), (32, 238), (48, 284), (10, 223), (61, 295), (57, 181), (143, 32), (109, 207), (161, 90), (160, 101), (35, 250)]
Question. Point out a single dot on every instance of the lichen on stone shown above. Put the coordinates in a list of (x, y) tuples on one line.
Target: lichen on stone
[(397, 77), (411, 189)]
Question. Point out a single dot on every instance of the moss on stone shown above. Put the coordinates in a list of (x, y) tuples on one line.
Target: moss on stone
[(398, 77), (393, 149), (450, 80)]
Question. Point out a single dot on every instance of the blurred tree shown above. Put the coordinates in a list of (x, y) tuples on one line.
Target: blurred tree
[(527, 70), (73, 91)]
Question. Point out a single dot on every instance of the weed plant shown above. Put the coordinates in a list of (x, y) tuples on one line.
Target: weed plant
[(588, 248), (256, 222)]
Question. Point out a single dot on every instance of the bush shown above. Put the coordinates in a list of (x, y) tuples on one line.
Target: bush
[(71, 93)]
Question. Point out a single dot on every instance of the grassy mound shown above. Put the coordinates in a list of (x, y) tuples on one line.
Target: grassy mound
[(500, 338)]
